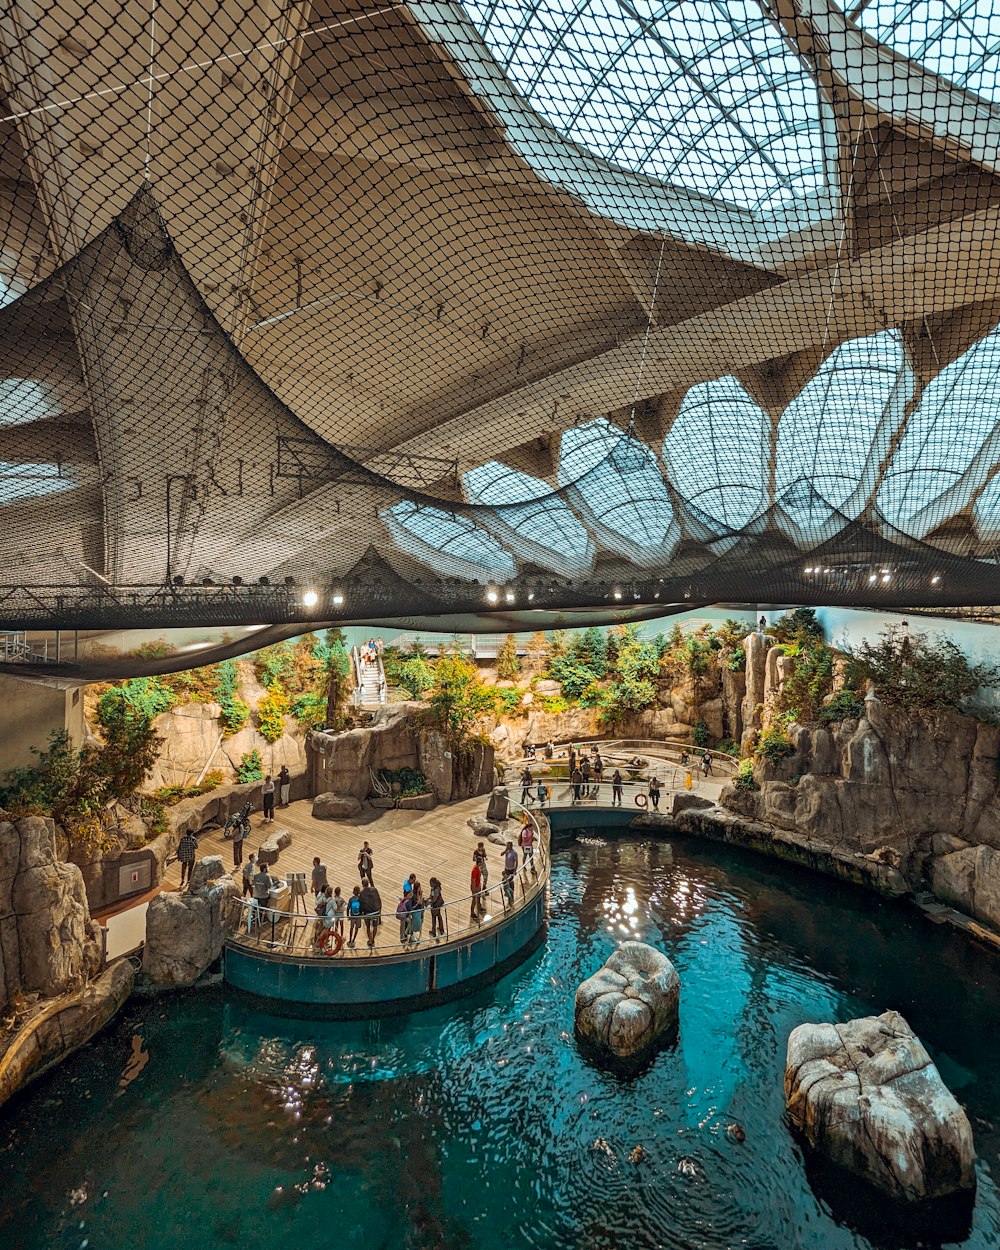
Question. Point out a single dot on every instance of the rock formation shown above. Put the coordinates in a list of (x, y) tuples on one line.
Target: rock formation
[(630, 1004), (402, 735), (185, 931), (48, 942), (866, 1095)]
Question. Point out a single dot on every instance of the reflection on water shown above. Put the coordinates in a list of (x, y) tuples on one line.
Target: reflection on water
[(478, 1126)]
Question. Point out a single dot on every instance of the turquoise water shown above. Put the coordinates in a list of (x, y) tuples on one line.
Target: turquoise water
[(478, 1126)]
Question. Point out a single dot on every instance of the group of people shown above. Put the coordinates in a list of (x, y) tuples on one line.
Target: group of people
[(705, 761), (479, 884), (368, 652), (586, 775)]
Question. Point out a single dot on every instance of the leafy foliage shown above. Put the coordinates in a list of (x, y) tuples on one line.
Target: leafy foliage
[(509, 701), (922, 671), (459, 697), (508, 661), (744, 779), (845, 705), (773, 744), (411, 781), (732, 632), (271, 711), (700, 734), (800, 625), (809, 681), (573, 676), (737, 662), (250, 767), (235, 712), (274, 665), (143, 698)]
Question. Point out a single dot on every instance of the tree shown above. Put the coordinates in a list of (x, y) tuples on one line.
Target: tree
[(271, 713), (331, 652), (508, 661), (920, 671), (459, 697)]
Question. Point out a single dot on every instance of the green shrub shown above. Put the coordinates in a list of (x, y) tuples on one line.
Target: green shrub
[(309, 709), (235, 713), (799, 625), (554, 703), (271, 712), (731, 632), (140, 698), (774, 745), (459, 697), (921, 671), (845, 705), (737, 661), (411, 781), (572, 675), (592, 696), (509, 701), (729, 747), (744, 776), (250, 767), (625, 696), (274, 665), (700, 734), (809, 681)]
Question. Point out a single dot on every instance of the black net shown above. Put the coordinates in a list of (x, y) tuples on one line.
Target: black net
[(505, 312)]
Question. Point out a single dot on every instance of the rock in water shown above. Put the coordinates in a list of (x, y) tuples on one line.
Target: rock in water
[(631, 1003), (866, 1095)]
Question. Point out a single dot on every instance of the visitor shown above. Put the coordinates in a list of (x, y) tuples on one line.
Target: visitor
[(339, 912), (416, 911), (684, 758), (526, 840), (436, 900), (762, 623), (249, 868), (319, 877), (654, 793), (239, 833), (479, 856), (541, 793), (576, 777), (572, 758), (262, 890), (371, 909), (706, 763), (509, 872), (403, 915), (284, 785), (319, 907), (354, 915), (476, 889), (616, 788), (187, 849), (585, 773), (550, 749), (267, 792), (365, 864), (598, 774), (526, 786)]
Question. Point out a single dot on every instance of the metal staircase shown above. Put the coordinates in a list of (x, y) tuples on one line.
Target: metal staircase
[(369, 681)]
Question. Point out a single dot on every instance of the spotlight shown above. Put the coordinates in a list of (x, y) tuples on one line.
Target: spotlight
[(508, 596), (935, 579), (263, 581), (178, 580), (338, 600), (617, 594), (289, 581), (492, 596), (310, 598), (531, 595), (872, 577), (237, 581), (887, 577)]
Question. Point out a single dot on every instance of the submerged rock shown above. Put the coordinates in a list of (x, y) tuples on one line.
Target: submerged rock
[(866, 1095), (628, 1005)]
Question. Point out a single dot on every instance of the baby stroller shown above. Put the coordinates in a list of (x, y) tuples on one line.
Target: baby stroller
[(237, 820)]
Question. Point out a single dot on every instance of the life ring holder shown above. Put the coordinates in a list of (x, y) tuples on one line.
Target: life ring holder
[(641, 800), (331, 943)]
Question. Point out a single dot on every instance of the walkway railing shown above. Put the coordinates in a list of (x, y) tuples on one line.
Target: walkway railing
[(614, 748), (635, 794), (296, 935)]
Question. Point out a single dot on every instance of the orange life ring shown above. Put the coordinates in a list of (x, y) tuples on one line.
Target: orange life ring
[(641, 800), (331, 942)]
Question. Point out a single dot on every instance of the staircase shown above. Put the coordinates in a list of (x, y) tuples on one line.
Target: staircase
[(369, 682)]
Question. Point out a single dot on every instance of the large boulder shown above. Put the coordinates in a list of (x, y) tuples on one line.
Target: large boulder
[(630, 1004), (185, 932), (969, 879), (866, 1095), (332, 806), (276, 841)]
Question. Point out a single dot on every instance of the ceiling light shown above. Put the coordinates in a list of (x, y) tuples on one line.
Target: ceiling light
[(492, 597), (887, 577), (310, 598), (531, 595), (935, 579), (617, 594), (872, 577), (338, 599), (508, 596)]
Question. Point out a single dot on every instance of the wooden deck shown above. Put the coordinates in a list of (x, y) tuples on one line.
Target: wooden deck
[(431, 844)]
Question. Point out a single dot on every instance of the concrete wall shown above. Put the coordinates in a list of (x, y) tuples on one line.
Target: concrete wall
[(29, 712)]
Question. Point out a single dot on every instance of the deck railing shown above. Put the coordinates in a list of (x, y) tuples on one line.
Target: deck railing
[(296, 935)]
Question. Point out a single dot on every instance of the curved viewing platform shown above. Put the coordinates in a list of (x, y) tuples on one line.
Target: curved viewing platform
[(275, 952)]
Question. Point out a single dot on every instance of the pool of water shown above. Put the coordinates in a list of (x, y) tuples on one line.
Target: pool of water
[(479, 1126)]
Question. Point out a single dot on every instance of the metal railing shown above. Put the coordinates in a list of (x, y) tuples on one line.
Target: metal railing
[(561, 790), (613, 748), (296, 934)]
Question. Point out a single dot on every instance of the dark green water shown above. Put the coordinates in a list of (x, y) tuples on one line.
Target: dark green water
[(479, 1127)]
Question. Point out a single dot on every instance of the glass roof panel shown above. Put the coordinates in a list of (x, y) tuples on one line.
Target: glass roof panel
[(857, 398), (619, 481), (686, 91), (955, 416), (544, 518), (718, 451), (448, 542), (950, 37), (31, 481)]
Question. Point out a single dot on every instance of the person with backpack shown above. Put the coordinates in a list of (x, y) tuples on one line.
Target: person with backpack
[(416, 911), (706, 763), (371, 909), (479, 857), (187, 849), (616, 788), (354, 915), (526, 786), (339, 911), (403, 916), (239, 833)]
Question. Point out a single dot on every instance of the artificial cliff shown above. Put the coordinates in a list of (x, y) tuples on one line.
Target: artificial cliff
[(914, 792), (402, 735), (54, 991)]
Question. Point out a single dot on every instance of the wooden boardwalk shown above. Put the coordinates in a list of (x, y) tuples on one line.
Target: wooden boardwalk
[(431, 844)]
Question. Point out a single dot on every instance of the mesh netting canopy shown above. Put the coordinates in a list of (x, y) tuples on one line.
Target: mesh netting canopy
[(587, 309)]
